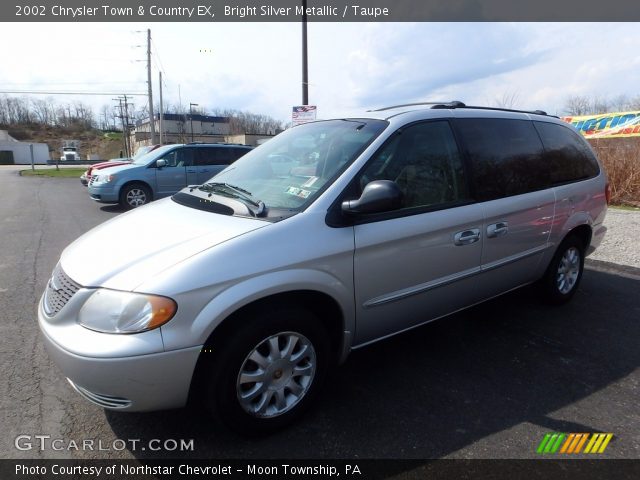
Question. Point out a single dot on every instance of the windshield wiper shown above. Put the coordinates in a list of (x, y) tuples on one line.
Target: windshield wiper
[(235, 192), (229, 186)]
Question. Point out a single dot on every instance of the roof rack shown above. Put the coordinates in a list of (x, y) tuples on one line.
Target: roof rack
[(535, 112), (459, 104), (452, 104)]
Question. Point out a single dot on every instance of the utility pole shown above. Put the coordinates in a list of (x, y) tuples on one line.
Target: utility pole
[(305, 69), (191, 118), (152, 119), (126, 124), (161, 112), (124, 130)]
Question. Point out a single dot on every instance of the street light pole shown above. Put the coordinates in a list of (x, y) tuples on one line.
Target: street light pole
[(305, 73), (191, 118)]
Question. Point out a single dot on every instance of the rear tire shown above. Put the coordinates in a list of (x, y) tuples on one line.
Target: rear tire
[(562, 278), (134, 195), (268, 372)]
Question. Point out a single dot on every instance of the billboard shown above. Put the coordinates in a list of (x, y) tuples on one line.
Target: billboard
[(607, 125), (303, 114)]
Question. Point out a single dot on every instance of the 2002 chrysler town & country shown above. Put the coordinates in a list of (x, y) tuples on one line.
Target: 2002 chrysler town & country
[(243, 291)]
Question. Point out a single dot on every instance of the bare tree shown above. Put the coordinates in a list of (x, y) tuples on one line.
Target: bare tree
[(620, 103), (600, 104), (248, 122), (507, 100), (577, 105)]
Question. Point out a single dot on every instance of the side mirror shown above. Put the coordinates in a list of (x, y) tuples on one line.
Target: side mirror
[(161, 163), (378, 196)]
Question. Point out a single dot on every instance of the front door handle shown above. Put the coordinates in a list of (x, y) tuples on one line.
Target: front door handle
[(191, 171), (497, 229), (467, 237)]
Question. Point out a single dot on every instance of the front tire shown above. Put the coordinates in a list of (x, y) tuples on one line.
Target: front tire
[(269, 372), (562, 278), (134, 195)]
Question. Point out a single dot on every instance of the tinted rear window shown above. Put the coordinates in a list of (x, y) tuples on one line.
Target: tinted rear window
[(506, 156), (566, 153), (214, 156)]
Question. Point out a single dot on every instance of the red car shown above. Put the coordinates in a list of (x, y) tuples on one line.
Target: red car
[(85, 178)]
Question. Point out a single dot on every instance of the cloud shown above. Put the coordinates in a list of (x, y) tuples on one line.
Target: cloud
[(410, 64)]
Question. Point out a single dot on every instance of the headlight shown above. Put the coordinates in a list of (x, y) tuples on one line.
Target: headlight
[(112, 311), (105, 178)]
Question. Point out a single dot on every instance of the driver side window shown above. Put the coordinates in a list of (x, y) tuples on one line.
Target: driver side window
[(180, 157), (424, 161)]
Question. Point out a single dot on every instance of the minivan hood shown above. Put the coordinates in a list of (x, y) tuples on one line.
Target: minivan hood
[(127, 250), (118, 167)]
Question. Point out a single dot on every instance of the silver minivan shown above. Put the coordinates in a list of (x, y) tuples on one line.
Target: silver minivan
[(242, 292)]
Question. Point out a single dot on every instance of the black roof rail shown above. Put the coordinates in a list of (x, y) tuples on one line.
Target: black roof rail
[(451, 104), (500, 109), (459, 104)]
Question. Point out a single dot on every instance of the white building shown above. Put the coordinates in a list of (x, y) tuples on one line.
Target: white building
[(178, 129), (14, 152), (182, 129)]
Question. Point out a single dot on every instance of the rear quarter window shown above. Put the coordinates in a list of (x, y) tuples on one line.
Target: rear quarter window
[(505, 156), (568, 156)]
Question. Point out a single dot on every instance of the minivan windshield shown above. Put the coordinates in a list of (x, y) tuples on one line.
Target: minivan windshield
[(153, 154), (290, 170)]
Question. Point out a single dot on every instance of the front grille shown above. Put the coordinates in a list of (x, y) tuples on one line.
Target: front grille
[(59, 291), (92, 179), (105, 401), (70, 156)]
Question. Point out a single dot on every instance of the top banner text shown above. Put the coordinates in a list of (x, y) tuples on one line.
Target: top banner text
[(318, 11)]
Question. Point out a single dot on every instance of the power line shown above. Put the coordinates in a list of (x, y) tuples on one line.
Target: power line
[(38, 92), (49, 84), (158, 55)]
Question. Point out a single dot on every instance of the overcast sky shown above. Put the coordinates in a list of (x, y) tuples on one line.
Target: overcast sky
[(352, 66)]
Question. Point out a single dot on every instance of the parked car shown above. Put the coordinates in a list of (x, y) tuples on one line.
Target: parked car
[(242, 292), (85, 178), (162, 172)]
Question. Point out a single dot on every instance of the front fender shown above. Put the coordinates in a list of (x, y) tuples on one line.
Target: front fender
[(236, 296)]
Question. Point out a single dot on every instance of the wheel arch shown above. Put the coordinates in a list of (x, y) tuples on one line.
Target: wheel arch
[(327, 308), (136, 182), (584, 232)]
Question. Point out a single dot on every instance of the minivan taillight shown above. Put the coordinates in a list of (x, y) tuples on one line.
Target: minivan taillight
[(607, 193)]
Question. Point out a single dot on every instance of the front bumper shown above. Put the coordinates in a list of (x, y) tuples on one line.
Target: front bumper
[(149, 381), (104, 193)]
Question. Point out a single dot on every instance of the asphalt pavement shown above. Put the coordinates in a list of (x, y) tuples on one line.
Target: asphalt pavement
[(489, 382)]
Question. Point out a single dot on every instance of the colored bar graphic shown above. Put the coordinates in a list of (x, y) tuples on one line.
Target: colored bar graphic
[(550, 443), (543, 443), (556, 446), (582, 441), (568, 442), (606, 441), (572, 443), (592, 441)]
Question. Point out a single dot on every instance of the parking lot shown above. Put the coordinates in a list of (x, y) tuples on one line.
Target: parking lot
[(489, 382)]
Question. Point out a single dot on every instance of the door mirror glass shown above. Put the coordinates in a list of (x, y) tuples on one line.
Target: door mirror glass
[(377, 196)]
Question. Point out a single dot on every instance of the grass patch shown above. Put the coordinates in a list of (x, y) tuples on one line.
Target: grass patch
[(52, 172)]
